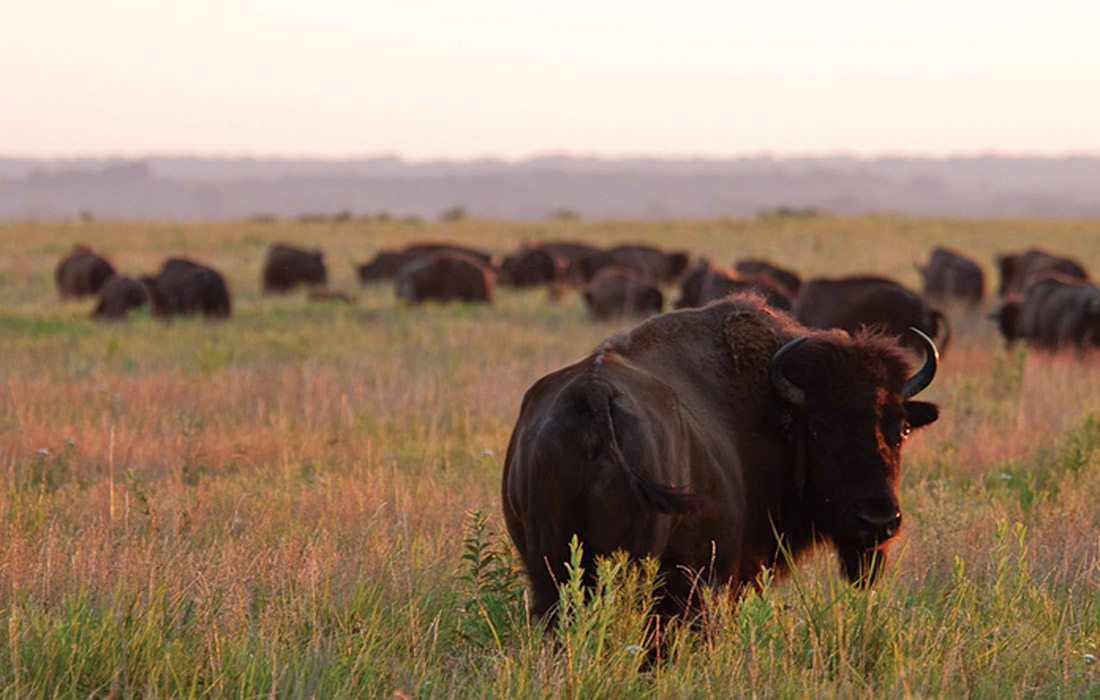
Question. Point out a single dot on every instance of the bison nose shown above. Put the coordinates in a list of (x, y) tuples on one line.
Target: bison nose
[(882, 526)]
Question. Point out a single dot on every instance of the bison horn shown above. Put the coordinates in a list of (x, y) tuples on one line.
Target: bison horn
[(783, 386), (915, 384)]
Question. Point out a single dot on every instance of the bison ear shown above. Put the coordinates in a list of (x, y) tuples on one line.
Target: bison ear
[(920, 413)]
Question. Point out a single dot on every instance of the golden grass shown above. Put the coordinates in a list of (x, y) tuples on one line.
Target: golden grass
[(302, 465)]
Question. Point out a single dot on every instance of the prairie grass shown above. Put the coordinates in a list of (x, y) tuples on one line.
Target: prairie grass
[(304, 500)]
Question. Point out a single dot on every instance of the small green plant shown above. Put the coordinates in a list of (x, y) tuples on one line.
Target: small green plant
[(494, 606)]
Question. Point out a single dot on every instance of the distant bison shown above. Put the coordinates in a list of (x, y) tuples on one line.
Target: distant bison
[(951, 276), (704, 283), (82, 273), (851, 303), (445, 277), (530, 266), (786, 280), (287, 267), (119, 296), (386, 264), (184, 288), (1055, 312), (1019, 270), (426, 249), (619, 291), (657, 264)]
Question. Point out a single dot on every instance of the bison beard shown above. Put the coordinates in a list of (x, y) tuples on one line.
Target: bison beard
[(702, 436)]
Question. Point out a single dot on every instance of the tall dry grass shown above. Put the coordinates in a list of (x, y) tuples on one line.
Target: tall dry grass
[(278, 504)]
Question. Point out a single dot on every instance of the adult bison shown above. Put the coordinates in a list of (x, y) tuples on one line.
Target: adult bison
[(119, 296), (287, 267), (184, 288), (715, 440), (1019, 270), (704, 283), (387, 264), (1055, 312), (445, 277), (530, 266), (953, 277), (662, 266), (787, 280), (851, 303), (383, 267), (568, 251), (81, 273), (619, 291)]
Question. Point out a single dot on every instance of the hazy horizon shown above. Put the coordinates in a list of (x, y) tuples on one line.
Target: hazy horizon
[(429, 80)]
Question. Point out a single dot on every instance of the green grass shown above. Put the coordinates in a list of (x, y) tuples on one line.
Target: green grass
[(304, 500)]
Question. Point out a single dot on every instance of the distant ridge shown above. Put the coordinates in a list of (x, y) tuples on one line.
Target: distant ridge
[(190, 188)]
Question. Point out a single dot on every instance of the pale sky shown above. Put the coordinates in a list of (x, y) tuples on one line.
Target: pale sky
[(459, 79)]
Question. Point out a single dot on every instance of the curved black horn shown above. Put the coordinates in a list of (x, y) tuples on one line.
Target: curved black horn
[(783, 386), (915, 384)]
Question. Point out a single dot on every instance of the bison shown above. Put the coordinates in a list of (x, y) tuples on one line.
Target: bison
[(82, 273), (118, 296), (787, 280), (953, 277), (530, 266), (184, 288), (720, 441), (1019, 270), (445, 277), (386, 264), (704, 283), (287, 267), (1055, 312), (383, 267), (851, 303), (620, 291), (655, 263)]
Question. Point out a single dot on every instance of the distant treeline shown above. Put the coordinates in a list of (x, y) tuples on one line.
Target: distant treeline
[(551, 187)]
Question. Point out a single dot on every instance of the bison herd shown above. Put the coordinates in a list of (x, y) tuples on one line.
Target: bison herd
[(1045, 299)]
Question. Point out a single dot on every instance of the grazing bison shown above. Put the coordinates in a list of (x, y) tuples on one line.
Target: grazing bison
[(530, 266), (704, 283), (184, 287), (1055, 312), (851, 303), (386, 264), (714, 439), (445, 277), (788, 281), (620, 291), (427, 249), (1019, 270), (81, 273), (287, 267), (646, 260), (118, 296), (951, 276)]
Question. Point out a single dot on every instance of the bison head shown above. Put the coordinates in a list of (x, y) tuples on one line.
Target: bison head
[(852, 411)]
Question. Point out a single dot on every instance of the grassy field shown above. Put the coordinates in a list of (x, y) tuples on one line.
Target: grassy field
[(303, 501)]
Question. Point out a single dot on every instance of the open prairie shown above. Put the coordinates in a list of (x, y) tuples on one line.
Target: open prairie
[(304, 500)]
